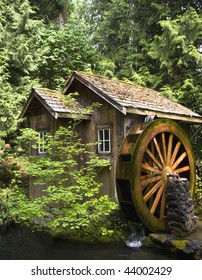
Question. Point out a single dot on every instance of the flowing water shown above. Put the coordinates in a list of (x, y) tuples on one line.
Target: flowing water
[(136, 236), (19, 243)]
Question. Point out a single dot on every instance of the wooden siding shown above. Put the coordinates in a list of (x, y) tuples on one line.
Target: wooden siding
[(104, 116)]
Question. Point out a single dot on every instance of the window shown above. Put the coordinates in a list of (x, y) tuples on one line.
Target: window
[(41, 144), (104, 141)]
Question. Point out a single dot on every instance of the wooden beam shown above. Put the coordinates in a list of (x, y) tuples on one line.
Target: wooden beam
[(166, 115)]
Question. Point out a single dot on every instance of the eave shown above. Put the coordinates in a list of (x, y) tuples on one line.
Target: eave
[(167, 115)]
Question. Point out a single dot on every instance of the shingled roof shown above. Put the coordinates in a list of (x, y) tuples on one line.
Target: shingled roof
[(130, 98), (125, 97), (52, 100)]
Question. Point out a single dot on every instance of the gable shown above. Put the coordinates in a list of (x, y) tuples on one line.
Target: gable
[(79, 81), (54, 104)]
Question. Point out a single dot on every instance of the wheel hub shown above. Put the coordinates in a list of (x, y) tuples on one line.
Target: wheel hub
[(166, 172)]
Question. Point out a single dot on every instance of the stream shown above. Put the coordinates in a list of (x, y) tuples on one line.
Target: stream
[(19, 243)]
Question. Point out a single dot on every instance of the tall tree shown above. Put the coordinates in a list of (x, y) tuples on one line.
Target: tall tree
[(151, 42), (20, 44), (69, 49), (119, 26), (175, 56), (53, 10)]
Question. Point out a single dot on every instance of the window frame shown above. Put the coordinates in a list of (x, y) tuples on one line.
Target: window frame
[(103, 141)]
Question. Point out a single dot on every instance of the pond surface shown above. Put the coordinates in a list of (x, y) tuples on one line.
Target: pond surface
[(22, 244)]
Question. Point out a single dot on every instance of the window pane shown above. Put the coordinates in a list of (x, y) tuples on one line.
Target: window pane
[(41, 148), (101, 147), (100, 135), (107, 146), (106, 134)]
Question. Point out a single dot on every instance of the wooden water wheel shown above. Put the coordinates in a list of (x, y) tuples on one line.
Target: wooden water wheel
[(148, 155)]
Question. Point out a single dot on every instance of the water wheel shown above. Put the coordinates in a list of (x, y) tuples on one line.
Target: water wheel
[(149, 153)]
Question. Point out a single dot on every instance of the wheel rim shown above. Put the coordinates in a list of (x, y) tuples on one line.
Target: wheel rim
[(162, 149)]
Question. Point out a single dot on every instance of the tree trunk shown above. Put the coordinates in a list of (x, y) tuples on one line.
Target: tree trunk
[(62, 16)]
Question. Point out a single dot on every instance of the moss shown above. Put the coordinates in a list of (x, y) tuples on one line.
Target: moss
[(148, 242), (179, 244)]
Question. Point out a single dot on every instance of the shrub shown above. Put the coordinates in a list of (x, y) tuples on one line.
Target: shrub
[(71, 206), (198, 191), (5, 217)]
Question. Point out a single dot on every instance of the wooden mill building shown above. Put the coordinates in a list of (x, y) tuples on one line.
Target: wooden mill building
[(123, 106)]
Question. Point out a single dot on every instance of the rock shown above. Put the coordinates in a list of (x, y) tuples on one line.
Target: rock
[(194, 244), (200, 252), (177, 225), (176, 217), (180, 212), (161, 238), (188, 250), (189, 201), (179, 244)]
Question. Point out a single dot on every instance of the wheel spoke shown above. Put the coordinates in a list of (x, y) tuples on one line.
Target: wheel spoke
[(143, 177), (182, 169), (158, 150), (153, 190), (152, 147), (163, 203), (164, 145), (144, 183), (157, 198), (180, 159), (175, 152), (153, 158), (146, 166), (170, 145)]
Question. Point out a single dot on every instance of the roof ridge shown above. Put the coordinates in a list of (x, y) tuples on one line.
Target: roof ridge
[(128, 83), (47, 90)]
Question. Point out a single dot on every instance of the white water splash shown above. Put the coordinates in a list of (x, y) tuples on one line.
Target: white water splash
[(137, 235)]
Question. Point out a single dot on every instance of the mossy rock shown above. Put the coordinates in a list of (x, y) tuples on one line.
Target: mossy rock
[(180, 244)]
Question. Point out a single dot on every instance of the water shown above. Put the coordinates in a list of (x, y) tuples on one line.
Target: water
[(136, 236), (22, 244)]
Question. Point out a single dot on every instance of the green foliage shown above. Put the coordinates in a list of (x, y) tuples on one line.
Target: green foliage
[(21, 208), (20, 43), (21, 38), (8, 166), (69, 49), (173, 58), (176, 47), (106, 67), (151, 43), (198, 192), (49, 10), (5, 217), (71, 206)]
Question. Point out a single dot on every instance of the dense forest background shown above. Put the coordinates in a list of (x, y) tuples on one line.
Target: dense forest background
[(154, 43)]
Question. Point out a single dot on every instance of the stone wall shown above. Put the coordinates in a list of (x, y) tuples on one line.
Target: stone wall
[(181, 219)]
